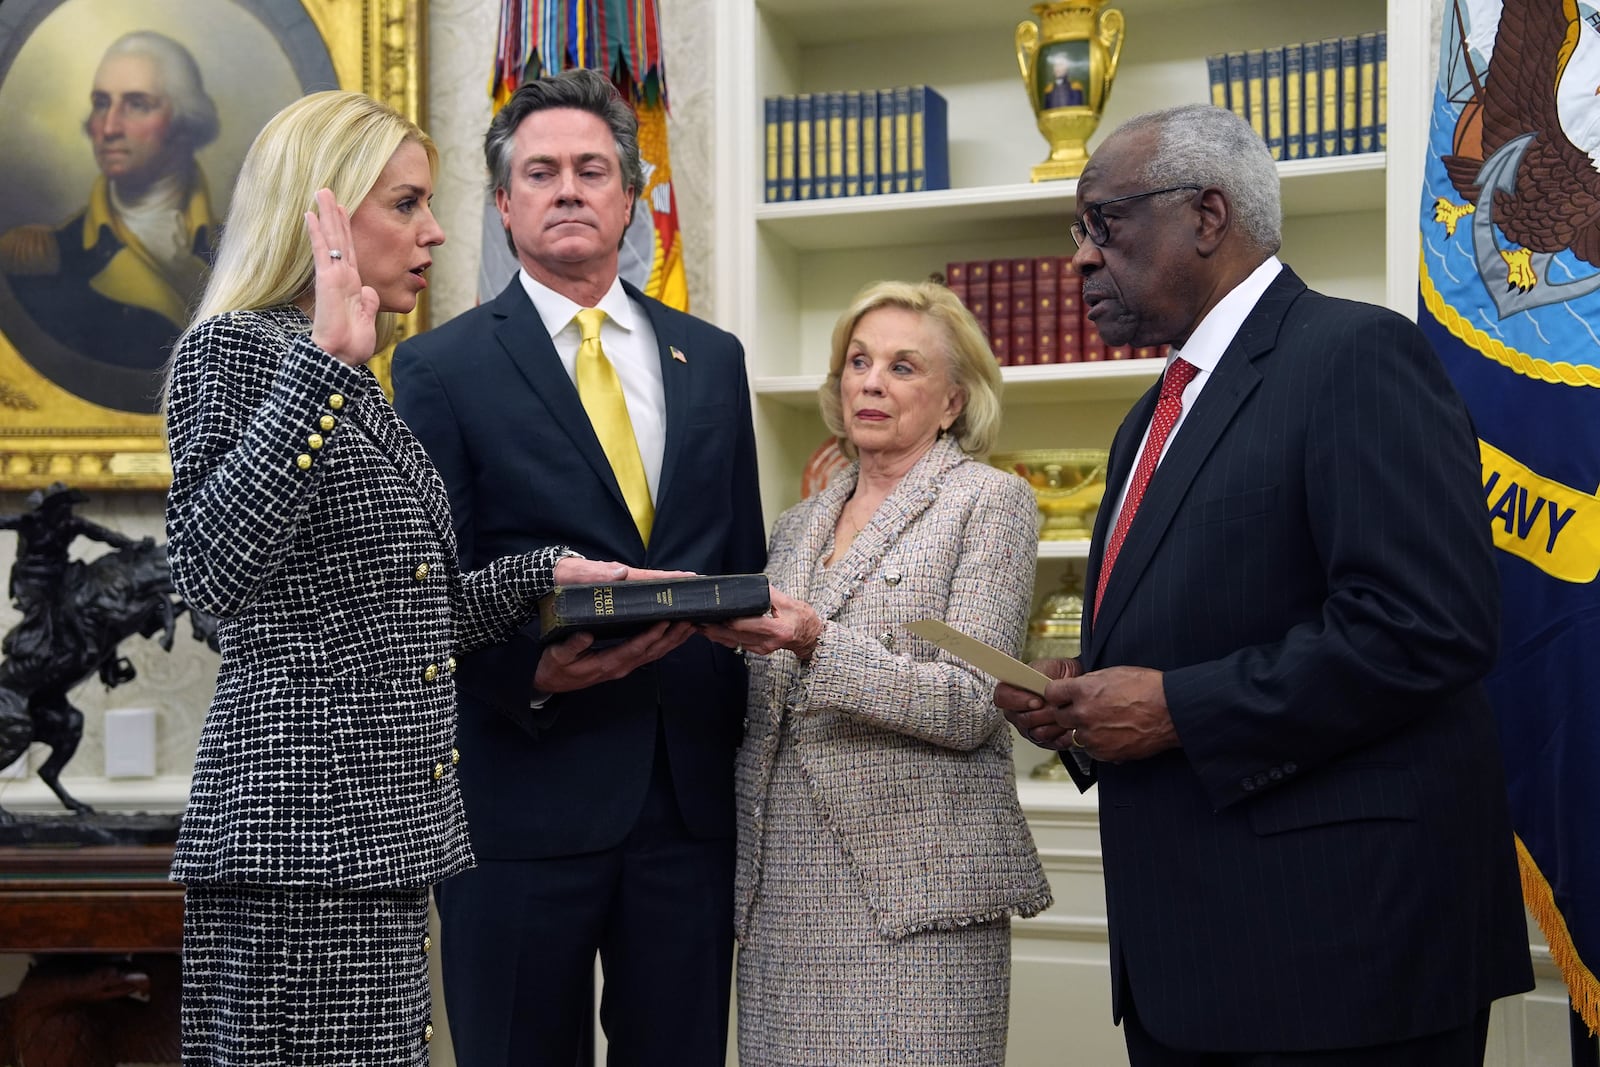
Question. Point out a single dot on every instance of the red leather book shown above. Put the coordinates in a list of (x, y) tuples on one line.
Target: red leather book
[(978, 295), (1045, 319), (1000, 311), (1094, 347), (1069, 311), (955, 278), (1024, 335)]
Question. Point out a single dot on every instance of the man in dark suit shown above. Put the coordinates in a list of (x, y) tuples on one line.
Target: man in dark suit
[(1308, 857), (598, 782)]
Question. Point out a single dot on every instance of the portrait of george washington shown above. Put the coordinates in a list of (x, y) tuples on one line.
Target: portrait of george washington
[(122, 127)]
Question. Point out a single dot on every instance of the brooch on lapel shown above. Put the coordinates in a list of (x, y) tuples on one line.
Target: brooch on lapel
[(677, 355)]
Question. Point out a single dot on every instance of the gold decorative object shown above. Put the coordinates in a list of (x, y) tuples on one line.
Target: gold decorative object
[(1068, 484), (1054, 631), (1055, 628), (74, 416), (1067, 68)]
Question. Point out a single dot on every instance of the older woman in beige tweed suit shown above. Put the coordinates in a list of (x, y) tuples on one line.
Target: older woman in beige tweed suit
[(882, 850)]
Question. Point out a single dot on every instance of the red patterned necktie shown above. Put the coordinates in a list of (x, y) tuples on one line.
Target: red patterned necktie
[(1169, 405)]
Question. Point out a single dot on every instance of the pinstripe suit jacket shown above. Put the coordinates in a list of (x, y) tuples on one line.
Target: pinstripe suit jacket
[(304, 513), (909, 761), (1327, 860)]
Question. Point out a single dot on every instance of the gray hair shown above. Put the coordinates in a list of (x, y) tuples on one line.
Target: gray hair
[(583, 90), (194, 113), (1211, 146)]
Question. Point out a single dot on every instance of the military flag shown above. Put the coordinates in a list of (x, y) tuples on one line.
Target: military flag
[(1510, 297), (622, 39)]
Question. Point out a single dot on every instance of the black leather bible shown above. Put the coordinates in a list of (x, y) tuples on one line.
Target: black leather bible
[(617, 609)]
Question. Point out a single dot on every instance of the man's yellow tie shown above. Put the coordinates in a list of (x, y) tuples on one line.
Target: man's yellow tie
[(601, 393)]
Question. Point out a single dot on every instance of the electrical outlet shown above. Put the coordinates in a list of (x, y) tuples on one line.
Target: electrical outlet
[(131, 743)]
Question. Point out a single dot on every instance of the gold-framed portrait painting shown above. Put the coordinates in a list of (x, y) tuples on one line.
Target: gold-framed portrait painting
[(123, 124)]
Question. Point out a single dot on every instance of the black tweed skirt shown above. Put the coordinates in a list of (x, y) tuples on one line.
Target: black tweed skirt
[(304, 978)]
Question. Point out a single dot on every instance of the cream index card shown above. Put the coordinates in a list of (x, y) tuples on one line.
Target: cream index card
[(986, 658)]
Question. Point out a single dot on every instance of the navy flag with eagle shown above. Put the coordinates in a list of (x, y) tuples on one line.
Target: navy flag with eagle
[(1510, 297)]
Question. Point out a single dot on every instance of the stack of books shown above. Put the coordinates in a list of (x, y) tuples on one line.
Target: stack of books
[(864, 143), (1317, 98), (1031, 309)]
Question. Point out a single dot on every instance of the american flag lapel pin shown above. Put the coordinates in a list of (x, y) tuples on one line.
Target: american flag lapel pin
[(677, 355)]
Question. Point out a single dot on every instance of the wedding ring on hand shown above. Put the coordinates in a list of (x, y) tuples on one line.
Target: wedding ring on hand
[(1072, 738), (334, 253)]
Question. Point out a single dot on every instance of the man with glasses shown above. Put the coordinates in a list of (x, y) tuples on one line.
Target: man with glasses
[(1308, 856)]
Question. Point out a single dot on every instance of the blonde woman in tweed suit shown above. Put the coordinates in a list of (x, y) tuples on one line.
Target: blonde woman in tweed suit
[(305, 515), (882, 850)]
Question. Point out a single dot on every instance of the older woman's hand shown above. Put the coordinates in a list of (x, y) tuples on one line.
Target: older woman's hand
[(791, 625)]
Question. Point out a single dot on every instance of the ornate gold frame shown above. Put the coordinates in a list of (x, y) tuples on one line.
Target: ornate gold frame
[(48, 434)]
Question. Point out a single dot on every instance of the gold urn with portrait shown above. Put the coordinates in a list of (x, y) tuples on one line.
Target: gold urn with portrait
[(1068, 60)]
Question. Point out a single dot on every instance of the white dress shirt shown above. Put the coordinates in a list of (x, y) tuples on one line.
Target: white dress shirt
[(1205, 348)]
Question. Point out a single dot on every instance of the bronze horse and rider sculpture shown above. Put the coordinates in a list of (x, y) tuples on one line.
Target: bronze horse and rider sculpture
[(74, 615)]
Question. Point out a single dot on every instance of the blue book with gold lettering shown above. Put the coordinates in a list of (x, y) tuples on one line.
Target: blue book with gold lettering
[(930, 142), (1331, 93), (1255, 73), (902, 138), (1383, 91), (869, 142), (770, 129), (1272, 82), (1238, 87), (1349, 95), (1367, 93), (803, 156), (1217, 78), (886, 149), (835, 144), (786, 148), (819, 145), (1294, 141), (1311, 58), (852, 144)]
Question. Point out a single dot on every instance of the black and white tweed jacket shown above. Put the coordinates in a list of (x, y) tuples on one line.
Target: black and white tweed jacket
[(306, 516)]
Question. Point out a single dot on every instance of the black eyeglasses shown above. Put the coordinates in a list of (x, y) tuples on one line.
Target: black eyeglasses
[(1093, 225)]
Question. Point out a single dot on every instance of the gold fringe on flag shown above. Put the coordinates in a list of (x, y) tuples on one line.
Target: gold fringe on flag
[(1582, 988)]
